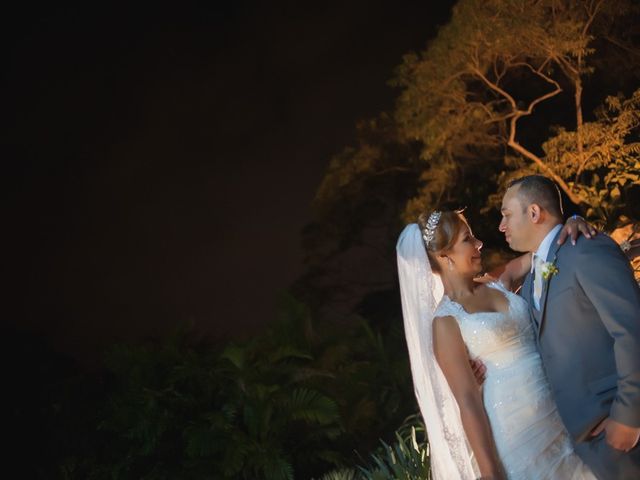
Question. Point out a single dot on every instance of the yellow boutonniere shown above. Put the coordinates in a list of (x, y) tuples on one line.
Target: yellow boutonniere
[(549, 269)]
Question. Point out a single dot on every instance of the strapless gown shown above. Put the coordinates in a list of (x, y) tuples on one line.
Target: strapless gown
[(531, 440)]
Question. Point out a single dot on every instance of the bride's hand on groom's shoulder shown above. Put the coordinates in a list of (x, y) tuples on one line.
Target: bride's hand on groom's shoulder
[(573, 227)]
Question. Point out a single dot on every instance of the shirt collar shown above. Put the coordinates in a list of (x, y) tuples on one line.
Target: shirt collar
[(545, 245)]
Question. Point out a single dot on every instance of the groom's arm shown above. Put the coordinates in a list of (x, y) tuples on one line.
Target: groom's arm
[(604, 274)]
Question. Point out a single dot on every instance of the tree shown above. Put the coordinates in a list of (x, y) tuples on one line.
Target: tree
[(494, 65), (601, 160), (507, 88), (356, 217)]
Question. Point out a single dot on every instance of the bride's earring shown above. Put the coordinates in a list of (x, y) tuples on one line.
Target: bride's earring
[(450, 264)]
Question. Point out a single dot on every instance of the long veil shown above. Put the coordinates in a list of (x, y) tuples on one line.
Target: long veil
[(421, 291)]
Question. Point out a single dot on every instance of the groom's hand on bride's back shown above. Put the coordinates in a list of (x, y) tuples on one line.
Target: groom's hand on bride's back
[(573, 227), (479, 371)]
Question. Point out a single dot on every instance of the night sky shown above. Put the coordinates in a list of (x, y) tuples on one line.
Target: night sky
[(159, 162)]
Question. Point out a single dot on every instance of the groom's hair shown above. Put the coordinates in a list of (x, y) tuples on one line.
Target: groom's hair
[(540, 190)]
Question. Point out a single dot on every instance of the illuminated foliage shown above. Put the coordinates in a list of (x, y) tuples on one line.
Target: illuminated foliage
[(482, 98), (607, 168), (495, 64)]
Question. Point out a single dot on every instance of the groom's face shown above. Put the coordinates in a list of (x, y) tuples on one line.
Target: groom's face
[(515, 224)]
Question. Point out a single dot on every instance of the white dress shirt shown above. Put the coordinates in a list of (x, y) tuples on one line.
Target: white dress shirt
[(542, 252)]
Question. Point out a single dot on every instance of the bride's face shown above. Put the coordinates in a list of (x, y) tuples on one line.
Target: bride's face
[(465, 253)]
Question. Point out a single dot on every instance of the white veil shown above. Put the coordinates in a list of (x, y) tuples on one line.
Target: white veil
[(421, 291)]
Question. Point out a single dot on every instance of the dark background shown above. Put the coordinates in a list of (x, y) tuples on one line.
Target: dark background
[(159, 162)]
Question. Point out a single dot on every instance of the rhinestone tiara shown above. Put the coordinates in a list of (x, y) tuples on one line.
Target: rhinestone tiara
[(429, 231)]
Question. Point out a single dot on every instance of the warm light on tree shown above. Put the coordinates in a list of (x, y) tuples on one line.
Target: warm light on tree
[(500, 92)]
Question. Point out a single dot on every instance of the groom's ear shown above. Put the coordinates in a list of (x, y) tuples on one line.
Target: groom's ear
[(535, 213)]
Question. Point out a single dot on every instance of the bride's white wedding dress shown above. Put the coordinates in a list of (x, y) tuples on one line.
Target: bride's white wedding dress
[(531, 440)]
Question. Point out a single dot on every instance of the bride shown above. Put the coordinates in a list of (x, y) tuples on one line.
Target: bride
[(510, 428)]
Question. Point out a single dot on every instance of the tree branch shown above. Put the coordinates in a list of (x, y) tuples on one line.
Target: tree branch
[(394, 170), (517, 114), (624, 47), (583, 164), (495, 88), (543, 166), (592, 15), (544, 97)]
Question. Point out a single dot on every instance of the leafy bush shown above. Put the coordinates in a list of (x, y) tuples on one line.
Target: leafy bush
[(406, 459), (289, 403)]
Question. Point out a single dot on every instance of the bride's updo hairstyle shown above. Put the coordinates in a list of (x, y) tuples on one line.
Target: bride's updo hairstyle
[(445, 234)]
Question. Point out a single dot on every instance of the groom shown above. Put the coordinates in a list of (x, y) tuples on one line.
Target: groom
[(585, 306)]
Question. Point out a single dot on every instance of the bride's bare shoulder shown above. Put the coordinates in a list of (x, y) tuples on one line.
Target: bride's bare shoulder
[(445, 325)]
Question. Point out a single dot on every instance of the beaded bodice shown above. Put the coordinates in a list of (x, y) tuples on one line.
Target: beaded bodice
[(497, 338)]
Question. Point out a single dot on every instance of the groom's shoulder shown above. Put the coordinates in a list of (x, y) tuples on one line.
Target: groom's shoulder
[(597, 248), (601, 241), (601, 245)]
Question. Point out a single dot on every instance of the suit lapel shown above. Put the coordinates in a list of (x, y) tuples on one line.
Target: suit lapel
[(526, 289), (552, 256), (527, 294)]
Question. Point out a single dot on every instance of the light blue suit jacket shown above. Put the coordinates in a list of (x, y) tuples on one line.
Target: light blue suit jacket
[(588, 331)]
